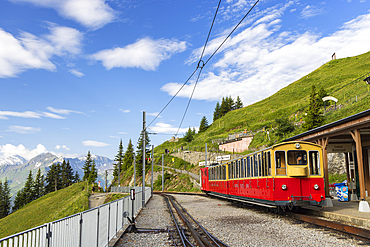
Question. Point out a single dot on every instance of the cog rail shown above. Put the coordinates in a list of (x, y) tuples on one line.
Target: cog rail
[(189, 231)]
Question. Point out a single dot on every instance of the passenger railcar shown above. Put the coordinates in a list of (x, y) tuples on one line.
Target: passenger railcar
[(286, 175)]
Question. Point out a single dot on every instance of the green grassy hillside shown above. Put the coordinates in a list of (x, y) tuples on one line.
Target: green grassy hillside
[(53, 206), (341, 78)]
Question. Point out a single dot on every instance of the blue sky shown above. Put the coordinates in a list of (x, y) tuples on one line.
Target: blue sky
[(76, 75)]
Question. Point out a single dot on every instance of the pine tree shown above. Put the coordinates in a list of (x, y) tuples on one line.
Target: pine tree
[(321, 94), (28, 192), (93, 175), (67, 174), (203, 125), (313, 119), (5, 199), (53, 178), (284, 126), (139, 153), (76, 178), (216, 113), (238, 103), (38, 185), (87, 166), (118, 166), (189, 135), (18, 200), (128, 158)]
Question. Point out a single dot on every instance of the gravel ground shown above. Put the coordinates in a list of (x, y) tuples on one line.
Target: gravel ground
[(234, 225), (154, 215), (238, 226)]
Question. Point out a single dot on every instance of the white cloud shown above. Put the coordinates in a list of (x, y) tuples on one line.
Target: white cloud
[(31, 52), (165, 128), (122, 133), (116, 137), (28, 114), (310, 11), (23, 129), (62, 111), (154, 114), (145, 53), (90, 143), (93, 14), (9, 149), (125, 111), (76, 73), (63, 147), (261, 59), (65, 40)]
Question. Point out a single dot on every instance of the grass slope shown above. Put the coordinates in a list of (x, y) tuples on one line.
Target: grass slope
[(53, 206), (342, 79)]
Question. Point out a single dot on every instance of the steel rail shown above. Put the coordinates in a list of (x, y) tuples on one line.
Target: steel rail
[(174, 220), (213, 238), (194, 233), (334, 225), (209, 240)]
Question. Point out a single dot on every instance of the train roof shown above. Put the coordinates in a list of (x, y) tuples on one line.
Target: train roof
[(271, 147)]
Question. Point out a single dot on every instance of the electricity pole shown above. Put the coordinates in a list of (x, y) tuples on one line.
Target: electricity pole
[(134, 170), (152, 167), (144, 156), (162, 172)]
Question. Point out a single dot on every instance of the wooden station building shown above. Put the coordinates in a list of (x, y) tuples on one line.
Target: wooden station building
[(351, 136)]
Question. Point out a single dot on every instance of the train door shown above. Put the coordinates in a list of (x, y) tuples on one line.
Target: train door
[(205, 179)]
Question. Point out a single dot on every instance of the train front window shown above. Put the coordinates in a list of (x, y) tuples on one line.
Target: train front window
[(297, 157), (314, 162)]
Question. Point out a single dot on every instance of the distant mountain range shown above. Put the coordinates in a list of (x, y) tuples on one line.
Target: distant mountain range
[(16, 168)]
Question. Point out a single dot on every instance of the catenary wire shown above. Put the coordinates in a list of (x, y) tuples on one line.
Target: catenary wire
[(191, 96), (200, 60)]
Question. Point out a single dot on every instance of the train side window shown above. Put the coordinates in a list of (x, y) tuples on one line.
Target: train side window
[(248, 167), (241, 168), (255, 168), (263, 164), (280, 163), (268, 155), (259, 165), (314, 162), (245, 167), (229, 170)]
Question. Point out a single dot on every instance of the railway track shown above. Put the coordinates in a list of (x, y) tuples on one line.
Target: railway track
[(188, 231), (351, 230)]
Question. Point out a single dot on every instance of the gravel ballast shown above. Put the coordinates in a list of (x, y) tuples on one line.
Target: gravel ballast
[(153, 216), (233, 224)]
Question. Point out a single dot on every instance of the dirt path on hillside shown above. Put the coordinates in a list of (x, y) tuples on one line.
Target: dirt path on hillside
[(96, 200)]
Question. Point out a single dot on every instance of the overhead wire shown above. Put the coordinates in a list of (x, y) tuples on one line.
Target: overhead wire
[(202, 64)]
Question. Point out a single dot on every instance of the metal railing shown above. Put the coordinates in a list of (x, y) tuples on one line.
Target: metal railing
[(94, 227), (125, 189)]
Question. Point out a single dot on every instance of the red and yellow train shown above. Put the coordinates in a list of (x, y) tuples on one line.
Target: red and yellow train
[(286, 175)]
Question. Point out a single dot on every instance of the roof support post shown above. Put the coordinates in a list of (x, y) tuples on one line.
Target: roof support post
[(324, 143), (356, 135)]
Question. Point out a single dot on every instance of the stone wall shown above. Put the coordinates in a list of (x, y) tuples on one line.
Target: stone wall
[(194, 157), (236, 146), (336, 163)]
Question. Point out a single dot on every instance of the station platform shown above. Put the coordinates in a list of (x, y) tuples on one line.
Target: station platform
[(346, 212)]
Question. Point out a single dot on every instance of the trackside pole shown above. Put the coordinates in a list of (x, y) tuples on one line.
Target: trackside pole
[(152, 167), (206, 156), (134, 170), (144, 157), (162, 172)]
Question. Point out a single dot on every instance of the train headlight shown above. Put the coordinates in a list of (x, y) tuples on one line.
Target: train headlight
[(283, 187), (297, 145), (316, 187)]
